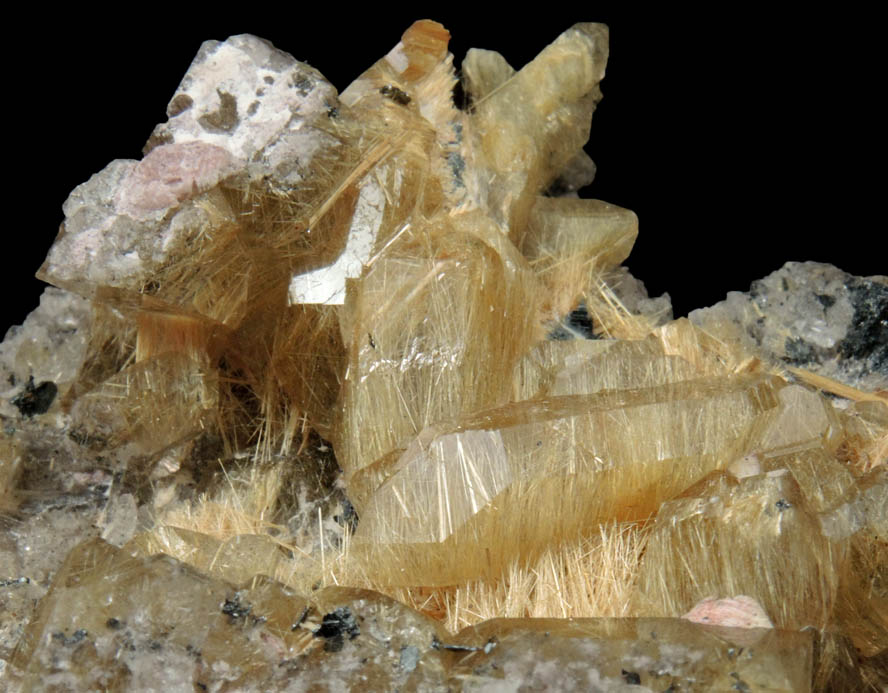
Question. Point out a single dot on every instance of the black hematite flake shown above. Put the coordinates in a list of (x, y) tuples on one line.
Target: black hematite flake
[(783, 504), (35, 399), (15, 581), (349, 517), (335, 626), (438, 645), (631, 677), (580, 321), (235, 609), (826, 300), (461, 98), (398, 96), (577, 325)]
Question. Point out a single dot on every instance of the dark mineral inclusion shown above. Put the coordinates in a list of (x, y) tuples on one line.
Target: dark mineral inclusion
[(37, 399)]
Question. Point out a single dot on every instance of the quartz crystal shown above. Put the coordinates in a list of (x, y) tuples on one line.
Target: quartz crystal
[(753, 522), (508, 481), (159, 622), (614, 654), (566, 240), (352, 391), (423, 346)]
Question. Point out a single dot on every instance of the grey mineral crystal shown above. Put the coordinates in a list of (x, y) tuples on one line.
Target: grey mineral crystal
[(812, 316)]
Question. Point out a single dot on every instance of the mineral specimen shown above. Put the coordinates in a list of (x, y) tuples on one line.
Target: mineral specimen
[(507, 481), (811, 316), (352, 391), (614, 654)]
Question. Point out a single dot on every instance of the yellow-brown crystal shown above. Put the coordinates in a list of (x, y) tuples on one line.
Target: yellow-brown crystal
[(490, 467)]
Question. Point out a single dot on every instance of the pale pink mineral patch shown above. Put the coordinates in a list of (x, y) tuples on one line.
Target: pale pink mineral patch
[(736, 612), (170, 174)]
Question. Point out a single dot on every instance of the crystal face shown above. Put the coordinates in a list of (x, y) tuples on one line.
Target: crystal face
[(354, 391), (508, 481)]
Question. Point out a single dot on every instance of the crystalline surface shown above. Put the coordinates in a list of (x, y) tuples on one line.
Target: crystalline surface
[(614, 654), (423, 345), (727, 537), (105, 624), (581, 367), (40, 350), (863, 505), (115, 620), (375, 340), (865, 435), (535, 123), (812, 316), (147, 401), (569, 239), (862, 609), (517, 477)]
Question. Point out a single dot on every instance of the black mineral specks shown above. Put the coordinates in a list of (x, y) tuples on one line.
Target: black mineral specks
[(812, 316), (68, 641), (335, 626), (631, 677), (348, 517), (799, 352), (35, 399), (867, 338), (235, 609), (576, 325)]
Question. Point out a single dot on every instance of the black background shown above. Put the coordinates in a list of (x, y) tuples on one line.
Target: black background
[(742, 140)]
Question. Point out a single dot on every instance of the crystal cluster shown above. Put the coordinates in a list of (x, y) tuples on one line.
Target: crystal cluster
[(381, 275)]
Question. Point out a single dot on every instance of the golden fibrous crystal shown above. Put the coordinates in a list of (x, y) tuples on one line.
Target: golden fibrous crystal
[(461, 501), (584, 367), (865, 441), (423, 347), (326, 369), (569, 240), (755, 522)]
